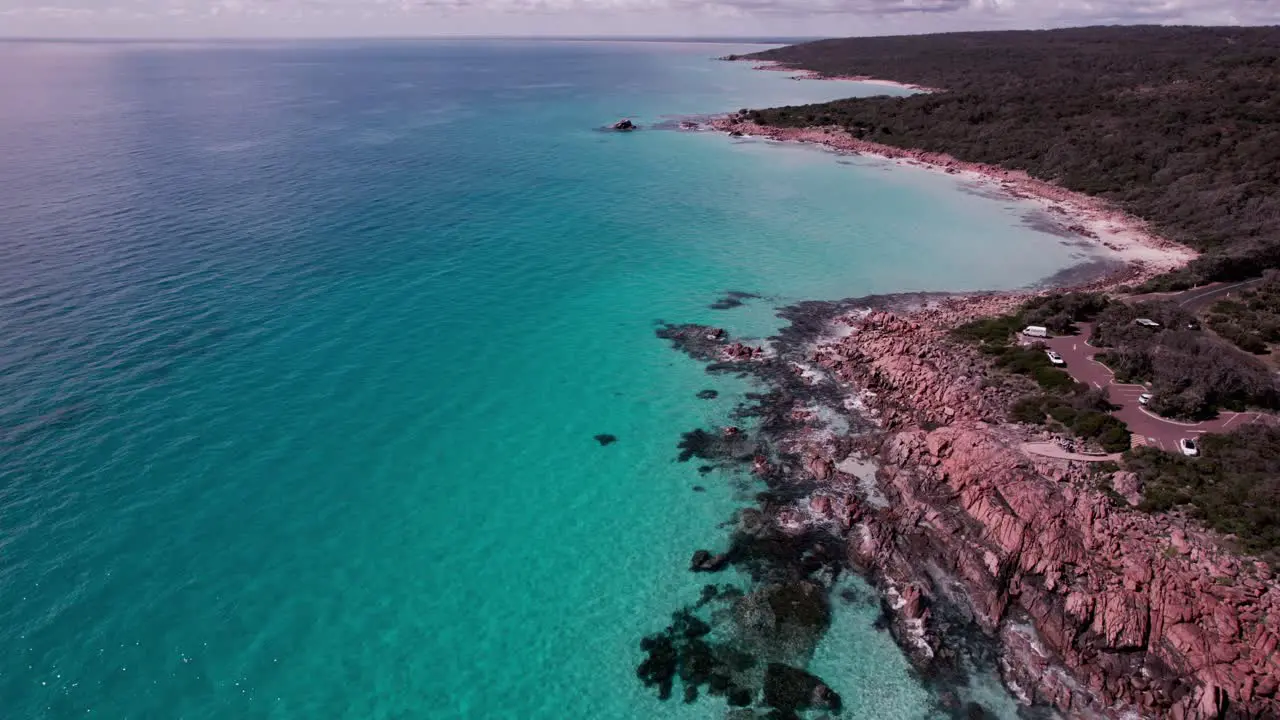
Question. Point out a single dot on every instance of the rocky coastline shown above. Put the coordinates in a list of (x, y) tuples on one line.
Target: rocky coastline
[(1039, 568), (1100, 610), (885, 449)]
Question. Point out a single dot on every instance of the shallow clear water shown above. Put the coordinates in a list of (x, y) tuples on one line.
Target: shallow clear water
[(303, 347)]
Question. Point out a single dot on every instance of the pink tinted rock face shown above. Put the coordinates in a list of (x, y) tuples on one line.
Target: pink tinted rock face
[(1102, 610)]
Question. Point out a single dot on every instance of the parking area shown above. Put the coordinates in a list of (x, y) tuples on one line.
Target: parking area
[(1147, 427)]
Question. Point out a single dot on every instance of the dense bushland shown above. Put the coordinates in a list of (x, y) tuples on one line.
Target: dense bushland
[(1191, 373), (1233, 487), (1179, 125), (1252, 321)]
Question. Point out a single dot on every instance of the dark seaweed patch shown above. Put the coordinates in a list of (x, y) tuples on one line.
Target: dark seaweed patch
[(763, 637), (791, 690), (707, 394), (704, 445), (604, 439), (732, 299)]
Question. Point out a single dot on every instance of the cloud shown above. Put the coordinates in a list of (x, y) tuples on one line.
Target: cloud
[(766, 17)]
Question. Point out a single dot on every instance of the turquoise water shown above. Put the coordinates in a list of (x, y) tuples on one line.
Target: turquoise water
[(303, 349)]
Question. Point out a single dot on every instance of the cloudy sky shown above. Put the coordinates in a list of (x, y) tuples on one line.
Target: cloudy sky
[(286, 18)]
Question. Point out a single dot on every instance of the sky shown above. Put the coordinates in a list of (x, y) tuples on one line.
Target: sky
[(827, 18)]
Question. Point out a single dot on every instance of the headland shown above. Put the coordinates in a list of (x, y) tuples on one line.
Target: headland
[(891, 447)]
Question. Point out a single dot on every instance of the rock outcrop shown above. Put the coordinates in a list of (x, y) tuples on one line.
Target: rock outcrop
[(1100, 609)]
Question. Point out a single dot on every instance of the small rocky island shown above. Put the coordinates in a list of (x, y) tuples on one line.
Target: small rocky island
[(625, 125)]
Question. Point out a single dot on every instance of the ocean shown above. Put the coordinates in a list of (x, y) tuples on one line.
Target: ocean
[(304, 348)]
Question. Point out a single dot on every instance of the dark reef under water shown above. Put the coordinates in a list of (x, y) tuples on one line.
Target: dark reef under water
[(733, 299), (751, 646)]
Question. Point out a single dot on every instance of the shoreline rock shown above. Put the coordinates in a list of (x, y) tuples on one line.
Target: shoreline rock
[(1099, 610), (983, 556)]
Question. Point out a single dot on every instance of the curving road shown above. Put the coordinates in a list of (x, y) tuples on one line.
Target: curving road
[(1197, 299), (1147, 427)]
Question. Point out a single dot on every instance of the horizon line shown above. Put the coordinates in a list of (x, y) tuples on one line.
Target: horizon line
[(761, 39)]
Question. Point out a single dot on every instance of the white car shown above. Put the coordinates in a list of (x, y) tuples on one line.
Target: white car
[(1189, 447), (1055, 358), (1144, 398)]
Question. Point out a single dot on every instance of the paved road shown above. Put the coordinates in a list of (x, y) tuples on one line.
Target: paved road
[(1147, 427), (1197, 299)]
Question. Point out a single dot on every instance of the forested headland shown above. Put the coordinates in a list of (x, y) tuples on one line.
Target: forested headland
[(1177, 125)]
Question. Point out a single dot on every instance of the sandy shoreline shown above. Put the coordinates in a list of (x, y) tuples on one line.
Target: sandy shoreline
[(1092, 218), (773, 66), (1079, 601)]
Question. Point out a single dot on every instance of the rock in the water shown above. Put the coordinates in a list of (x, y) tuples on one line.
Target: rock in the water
[(691, 626), (915, 604), (732, 299), (624, 125), (707, 394), (739, 696), (605, 439), (820, 468), (783, 622), (704, 561), (791, 690), (825, 697), (659, 668)]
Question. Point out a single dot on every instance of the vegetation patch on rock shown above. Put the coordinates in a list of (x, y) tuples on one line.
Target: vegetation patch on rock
[(1234, 487)]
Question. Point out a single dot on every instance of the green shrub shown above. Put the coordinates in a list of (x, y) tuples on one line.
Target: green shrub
[(1022, 360), (1077, 414), (1051, 378), (1029, 410), (1251, 321), (995, 331), (1233, 487), (1115, 438), (1064, 414)]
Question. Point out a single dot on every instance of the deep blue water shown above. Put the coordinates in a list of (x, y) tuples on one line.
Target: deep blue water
[(303, 348)]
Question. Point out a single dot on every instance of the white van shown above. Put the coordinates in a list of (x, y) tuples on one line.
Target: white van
[(1039, 331)]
